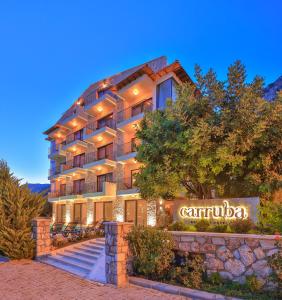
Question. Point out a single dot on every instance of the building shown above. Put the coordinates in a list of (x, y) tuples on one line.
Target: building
[(93, 146)]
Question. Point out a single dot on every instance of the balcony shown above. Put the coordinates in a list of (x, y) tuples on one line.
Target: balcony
[(96, 133), (126, 186), (127, 151), (93, 190), (133, 113), (94, 160), (69, 193), (106, 101), (74, 117), (56, 151), (72, 167), (75, 142), (54, 172)]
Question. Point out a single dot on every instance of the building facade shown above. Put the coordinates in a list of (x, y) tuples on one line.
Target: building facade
[(93, 146)]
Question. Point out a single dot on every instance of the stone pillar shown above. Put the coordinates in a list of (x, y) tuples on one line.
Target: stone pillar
[(41, 235), (116, 252)]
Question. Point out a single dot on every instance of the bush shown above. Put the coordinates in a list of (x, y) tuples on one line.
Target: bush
[(270, 217), (189, 272), (215, 279), (241, 226), (254, 284), (151, 250), (181, 226), (218, 228), (202, 225), (275, 261)]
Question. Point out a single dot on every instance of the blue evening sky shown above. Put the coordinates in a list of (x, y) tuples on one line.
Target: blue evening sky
[(52, 50)]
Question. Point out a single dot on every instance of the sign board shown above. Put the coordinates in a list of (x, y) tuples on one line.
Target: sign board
[(216, 209)]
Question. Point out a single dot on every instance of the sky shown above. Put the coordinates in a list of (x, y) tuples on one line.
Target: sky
[(51, 51)]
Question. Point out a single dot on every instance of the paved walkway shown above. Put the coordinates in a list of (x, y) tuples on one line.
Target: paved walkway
[(25, 280)]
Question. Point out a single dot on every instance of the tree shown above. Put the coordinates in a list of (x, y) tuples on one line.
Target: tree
[(18, 206), (217, 135)]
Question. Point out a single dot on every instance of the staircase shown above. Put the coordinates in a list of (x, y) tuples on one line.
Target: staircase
[(79, 259)]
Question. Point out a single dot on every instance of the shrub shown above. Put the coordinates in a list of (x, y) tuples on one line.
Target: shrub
[(241, 226), (218, 228), (202, 225), (270, 217), (275, 261), (254, 284), (189, 272), (215, 278), (151, 251), (181, 226)]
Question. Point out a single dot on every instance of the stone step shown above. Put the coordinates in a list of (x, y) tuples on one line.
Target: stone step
[(65, 262), (98, 243), (66, 267), (93, 247), (79, 252), (78, 259), (89, 250)]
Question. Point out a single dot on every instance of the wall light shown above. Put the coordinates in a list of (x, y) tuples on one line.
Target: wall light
[(99, 138), (100, 108), (135, 92)]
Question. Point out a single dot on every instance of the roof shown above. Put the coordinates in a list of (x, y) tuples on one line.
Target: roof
[(155, 69)]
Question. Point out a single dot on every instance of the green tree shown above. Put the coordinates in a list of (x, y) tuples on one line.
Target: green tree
[(217, 135), (18, 206)]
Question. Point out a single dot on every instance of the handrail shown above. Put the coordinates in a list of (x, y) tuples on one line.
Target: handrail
[(126, 184), (127, 148), (95, 156), (134, 110), (90, 100), (93, 125)]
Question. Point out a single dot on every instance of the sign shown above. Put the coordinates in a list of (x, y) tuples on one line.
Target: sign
[(214, 209)]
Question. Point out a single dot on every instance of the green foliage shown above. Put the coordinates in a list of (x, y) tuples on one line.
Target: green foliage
[(270, 217), (275, 261), (181, 226), (218, 135), (18, 206), (151, 251), (253, 283), (202, 225), (215, 278), (190, 272), (218, 228), (241, 226)]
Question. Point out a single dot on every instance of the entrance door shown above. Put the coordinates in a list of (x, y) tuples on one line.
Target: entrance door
[(136, 212)]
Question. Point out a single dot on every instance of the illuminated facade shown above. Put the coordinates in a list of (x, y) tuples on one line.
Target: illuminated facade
[(93, 146)]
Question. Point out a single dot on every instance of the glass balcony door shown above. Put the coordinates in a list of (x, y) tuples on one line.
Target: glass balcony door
[(103, 178), (78, 186), (105, 152)]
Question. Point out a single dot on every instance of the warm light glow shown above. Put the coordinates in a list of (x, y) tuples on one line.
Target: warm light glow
[(151, 221), (73, 174), (73, 149), (119, 217), (161, 201), (225, 211), (135, 92), (74, 123), (100, 108), (59, 135), (99, 168), (100, 138), (104, 84)]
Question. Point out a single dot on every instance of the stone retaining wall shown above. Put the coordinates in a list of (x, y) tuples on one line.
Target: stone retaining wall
[(234, 256)]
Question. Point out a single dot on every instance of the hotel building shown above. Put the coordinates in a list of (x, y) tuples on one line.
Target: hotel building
[(93, 146)]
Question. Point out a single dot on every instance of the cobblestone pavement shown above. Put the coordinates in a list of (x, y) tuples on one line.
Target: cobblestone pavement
[(26, 279)]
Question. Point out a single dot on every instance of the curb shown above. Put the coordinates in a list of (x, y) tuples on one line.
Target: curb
[(176, 290)]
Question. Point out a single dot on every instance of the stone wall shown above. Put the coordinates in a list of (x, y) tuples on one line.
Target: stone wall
[(41, 235), (234, 256), (116, 252)]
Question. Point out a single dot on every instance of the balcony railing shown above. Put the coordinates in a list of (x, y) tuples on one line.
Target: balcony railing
[(74, 137), (95, 156), (92, 126), (134, 110), (60, 193), (74, 112), (70, 164), (54, 171), (94, 187), (127, 148), (127, 183), (90, 99)]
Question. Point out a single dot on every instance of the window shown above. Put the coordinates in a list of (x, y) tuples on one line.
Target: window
[(103, 178), (106, 121), (103, 211), (139, 108), (136, 212), (108, 211), (165, 90), (78, 186), (63, 213), (77, 215), (79, 160), (78, 135), (105, 151), (63, 189)]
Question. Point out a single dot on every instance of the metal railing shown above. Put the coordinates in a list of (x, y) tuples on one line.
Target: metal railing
[(55, 171), (70, 164), (127, 148), (95, 156), (134, 110), (94, 125), (94, 187), (74, 137), (126, 184), (91, 98), (73, 112)]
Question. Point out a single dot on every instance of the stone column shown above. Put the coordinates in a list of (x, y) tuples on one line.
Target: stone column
[(41, 235), (116, 252)]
